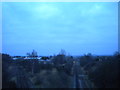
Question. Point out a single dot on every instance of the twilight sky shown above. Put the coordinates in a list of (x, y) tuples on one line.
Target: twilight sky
[(77, 27)]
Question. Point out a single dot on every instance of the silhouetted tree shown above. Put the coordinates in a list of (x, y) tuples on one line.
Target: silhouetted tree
[(62, 52), (34, 56), (117, 54)]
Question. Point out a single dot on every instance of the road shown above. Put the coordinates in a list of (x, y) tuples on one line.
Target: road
[(79, 77)]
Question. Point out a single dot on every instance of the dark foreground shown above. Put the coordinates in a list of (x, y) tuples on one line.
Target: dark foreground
[(61, 71)]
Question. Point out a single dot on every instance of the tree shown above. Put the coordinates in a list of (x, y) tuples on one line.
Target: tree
[(34, 56), (62, 52), (117, 54)]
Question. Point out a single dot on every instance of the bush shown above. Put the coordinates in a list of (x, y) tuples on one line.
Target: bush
[(106, 74)]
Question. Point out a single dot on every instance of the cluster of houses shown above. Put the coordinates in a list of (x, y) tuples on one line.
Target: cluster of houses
[(24, 57), (39, 58)]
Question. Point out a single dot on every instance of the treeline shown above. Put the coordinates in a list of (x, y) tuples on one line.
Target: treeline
[(34, 74), (103, 71)]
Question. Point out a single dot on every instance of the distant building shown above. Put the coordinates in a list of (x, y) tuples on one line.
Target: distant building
[(33, 58), (39, 58), (17, 57)]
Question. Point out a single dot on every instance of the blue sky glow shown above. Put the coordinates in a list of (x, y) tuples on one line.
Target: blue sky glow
[(48, 27)]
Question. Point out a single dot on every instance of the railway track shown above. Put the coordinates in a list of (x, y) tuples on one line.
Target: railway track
[(79, 81)]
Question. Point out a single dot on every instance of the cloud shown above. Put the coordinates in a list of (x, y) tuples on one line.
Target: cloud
[(45, 11), (70, 26)]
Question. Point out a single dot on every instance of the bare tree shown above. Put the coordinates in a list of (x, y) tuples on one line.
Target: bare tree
[(62, 52), (34, 56)]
